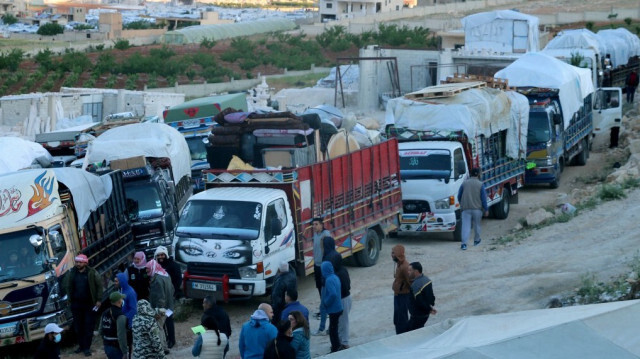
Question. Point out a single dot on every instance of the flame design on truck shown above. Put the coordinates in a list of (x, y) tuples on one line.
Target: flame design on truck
[(42, 190), (10, 201)]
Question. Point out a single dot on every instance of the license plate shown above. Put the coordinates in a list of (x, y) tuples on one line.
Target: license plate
[(191, 123), (204, 286), (7, 330)]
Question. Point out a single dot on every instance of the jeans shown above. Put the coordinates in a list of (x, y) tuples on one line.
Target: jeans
[(417, 322), (323, 319), (401, 312), (171, 331), (113, 352), (84, 322), (468, 216), (343, 323), (631, 90), (334, 318)]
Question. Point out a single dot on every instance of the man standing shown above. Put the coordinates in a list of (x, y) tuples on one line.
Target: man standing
[(285, 281), (331, 303), (113, 328), (138, 278), (331, 255), (318, 234), (173, 269), (49, 347), (473, 201), (632, 84), (84, 288), (130, 306), (257, 333), (161, 297), (221, 317), (401, 287), (422, 298), (291, 298)]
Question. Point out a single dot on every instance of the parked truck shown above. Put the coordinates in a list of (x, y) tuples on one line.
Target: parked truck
[(560, 120), (194, 120), (154, 160), (47, 217), (233, 235), (444, 132)]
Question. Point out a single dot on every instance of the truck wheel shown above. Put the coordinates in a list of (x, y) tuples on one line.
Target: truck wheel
[(581, 159), (369, 255), (457, 233), (501, 209)]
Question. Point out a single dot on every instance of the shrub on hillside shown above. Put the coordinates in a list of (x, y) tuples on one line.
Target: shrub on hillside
[(50, 29), (9, 19)]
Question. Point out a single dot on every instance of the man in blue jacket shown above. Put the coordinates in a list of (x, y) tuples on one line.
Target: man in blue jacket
[(332, 303), (257, 333), (130, 307)]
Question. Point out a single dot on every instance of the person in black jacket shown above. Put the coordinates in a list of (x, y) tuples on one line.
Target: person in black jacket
[(280, 347), (221, 317), (331, 255), (421, 299), (284, 282), (138, 278), (49, 347), (161, 255)]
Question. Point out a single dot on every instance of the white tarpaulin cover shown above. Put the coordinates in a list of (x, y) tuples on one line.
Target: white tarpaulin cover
[(33, 194), (19, 153), (142, 139), (501, 31), (537, 69), (607, 330), (577, 39), (475, 111), (620, 44)]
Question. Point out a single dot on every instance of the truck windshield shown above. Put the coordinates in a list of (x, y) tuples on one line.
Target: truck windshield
[(539, 130), (425, 164), (146, 196), (18, 258), (233, 218), (197, 149)]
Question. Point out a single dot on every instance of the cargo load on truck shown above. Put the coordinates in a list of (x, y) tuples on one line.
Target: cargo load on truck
[(560, 119), (194, 120), (24, 154), (154, 159), (444, 132), (48, 217)]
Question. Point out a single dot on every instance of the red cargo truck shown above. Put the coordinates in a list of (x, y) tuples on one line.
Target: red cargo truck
[(268, 220)]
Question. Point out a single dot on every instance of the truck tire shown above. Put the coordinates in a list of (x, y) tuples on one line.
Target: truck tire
[(501, 209), (581, 159), (457, 233), (369, 255)]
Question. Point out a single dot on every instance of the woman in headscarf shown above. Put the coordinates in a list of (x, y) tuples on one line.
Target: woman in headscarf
[(138, 278), (160, 294), (146, 333)]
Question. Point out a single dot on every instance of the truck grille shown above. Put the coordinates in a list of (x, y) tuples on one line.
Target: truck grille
[(415, 207), (213, 270), (20, 308)]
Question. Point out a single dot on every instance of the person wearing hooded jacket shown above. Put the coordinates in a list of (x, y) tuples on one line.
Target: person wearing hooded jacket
[(137, 275), (331, 255), (401, 287), (331, 303), (130, 306), (285, 281), (146, 333), (161, 297), (257, 333), (280, 347)]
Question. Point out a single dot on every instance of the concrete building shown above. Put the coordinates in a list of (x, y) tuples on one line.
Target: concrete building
[(343, 9), (28, 115)]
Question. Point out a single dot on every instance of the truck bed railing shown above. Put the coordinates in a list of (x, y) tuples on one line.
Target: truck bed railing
[(502, 170)]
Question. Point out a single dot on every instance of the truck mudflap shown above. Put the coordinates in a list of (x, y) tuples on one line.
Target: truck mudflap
[(222, 288), (30, 329), (427, 222)]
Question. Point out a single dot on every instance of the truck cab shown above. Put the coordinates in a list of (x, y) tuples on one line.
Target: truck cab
[(440, 166), (246, 232), (544, 143), (607, 109), (150, 196)]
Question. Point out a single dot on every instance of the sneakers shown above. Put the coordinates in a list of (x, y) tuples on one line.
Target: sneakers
[(475, 243), (463, 247), (320, 333), (87, 353), (317, 315)]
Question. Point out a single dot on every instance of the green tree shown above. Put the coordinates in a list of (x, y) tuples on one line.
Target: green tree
[(73, 60), (628, 20), (12, 60), (208, 43), (122, 44), (50, 29), (9, 19), (589, 25)]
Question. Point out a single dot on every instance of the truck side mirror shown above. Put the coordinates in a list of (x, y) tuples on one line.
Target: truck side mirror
[(35, 240)]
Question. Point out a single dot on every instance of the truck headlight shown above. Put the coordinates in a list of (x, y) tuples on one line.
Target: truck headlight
[(248, 271), (162, 241), (443, 203), (544, 162)]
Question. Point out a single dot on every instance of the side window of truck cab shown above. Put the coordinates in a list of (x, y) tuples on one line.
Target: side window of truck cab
[(458, 163)]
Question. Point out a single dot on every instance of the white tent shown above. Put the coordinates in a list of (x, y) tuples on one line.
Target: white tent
[(577, 39), (607, 330), (500, 31), (19, 153), (620, 44), (537, 69)]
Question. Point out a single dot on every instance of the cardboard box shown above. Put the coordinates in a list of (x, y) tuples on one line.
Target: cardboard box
[(128, 163)]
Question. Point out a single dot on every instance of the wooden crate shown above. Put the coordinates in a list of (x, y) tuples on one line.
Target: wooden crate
[(491, 82), (444, 90)]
